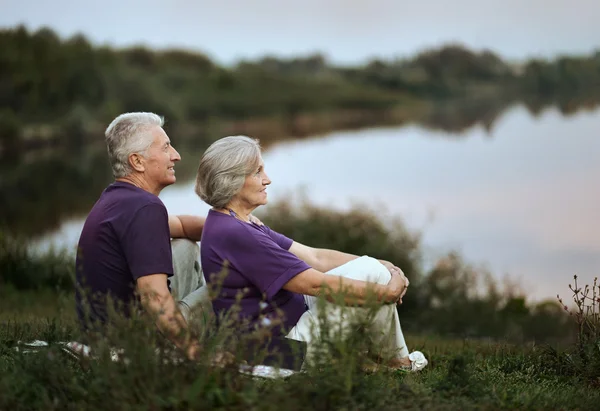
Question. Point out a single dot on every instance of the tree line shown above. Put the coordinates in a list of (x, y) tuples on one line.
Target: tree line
[(70, 87)]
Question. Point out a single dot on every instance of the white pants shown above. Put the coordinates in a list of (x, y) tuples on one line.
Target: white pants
[(386, 336)]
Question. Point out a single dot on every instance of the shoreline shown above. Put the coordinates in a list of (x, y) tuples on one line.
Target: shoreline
[(450, 115)]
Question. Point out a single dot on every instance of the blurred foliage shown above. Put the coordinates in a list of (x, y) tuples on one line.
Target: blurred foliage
[(23, 270), (582, 359), (463, 300), (74, 88), (38, 194), (462, 374)]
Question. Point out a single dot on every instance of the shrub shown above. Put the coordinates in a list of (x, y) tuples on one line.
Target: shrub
[(26, 270), (583, 358)]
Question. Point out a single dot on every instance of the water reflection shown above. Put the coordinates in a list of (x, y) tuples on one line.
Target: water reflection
[(508, 189), (39, 191), (525, 202), (522, 198)]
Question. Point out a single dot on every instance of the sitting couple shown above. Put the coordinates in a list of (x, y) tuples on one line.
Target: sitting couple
[(126, 251)]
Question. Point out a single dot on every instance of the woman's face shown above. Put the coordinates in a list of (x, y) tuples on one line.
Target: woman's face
[(254, 190)]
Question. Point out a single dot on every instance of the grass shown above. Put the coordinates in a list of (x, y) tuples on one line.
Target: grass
[(462, 374)]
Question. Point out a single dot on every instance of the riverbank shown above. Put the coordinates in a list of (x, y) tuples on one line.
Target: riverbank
[(449, 115)]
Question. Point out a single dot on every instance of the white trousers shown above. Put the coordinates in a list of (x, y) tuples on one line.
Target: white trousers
[(386, 332)]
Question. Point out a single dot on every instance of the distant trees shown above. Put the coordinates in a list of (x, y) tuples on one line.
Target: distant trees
[(565, 76), (52, 81), (10, 129)]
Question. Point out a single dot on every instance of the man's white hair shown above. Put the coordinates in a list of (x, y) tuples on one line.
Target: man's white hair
[(127, 134)]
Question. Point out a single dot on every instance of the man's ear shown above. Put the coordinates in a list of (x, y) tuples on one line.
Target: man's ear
[(136, 161)]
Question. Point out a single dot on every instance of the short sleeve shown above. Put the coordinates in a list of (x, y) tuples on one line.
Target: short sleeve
[(279, 239), (263, 262), (147, 242)]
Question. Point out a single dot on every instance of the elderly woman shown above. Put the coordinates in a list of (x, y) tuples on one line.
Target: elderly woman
[(275, 274)]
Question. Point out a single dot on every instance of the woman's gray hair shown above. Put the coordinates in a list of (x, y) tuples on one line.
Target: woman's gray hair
[(223, 169), (129, 133)]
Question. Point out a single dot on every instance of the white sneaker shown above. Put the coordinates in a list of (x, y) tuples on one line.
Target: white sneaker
[(417, 361)]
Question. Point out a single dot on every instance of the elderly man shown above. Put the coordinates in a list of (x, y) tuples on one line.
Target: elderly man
[(125, 252)]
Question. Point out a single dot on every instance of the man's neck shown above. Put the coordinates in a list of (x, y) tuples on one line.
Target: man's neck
[(140, 183)]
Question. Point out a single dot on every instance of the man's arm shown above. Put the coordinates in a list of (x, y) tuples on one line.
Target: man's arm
[(159, 303), (186, 226)]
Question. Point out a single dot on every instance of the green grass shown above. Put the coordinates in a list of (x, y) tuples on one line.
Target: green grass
[(462, 374)]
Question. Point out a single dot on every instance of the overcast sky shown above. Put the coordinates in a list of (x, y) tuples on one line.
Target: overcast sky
[(346, 31)]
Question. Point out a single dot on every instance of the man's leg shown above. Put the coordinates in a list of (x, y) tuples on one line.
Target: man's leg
[(187, 283)]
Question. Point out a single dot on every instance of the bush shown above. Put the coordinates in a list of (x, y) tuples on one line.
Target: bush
[(583, 358), (25, 270), (150, 374), (359, 231)]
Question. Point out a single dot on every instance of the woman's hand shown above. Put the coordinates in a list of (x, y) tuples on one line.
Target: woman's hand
[(396, 288), (396, 270)]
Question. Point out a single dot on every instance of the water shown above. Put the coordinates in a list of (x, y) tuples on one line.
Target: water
[(521, 200)]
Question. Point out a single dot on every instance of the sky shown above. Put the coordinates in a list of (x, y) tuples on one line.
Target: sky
[(345, 31)]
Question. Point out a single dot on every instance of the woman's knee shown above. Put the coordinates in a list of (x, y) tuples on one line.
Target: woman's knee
[(364, 268)]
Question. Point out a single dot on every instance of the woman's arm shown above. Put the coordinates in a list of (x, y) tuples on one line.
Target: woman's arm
[(320, 258), (314, 282), (324, 260)]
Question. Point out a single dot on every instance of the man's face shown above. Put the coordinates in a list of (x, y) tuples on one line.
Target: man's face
[(160, 160)]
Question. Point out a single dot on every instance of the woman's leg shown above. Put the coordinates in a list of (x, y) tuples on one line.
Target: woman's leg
[(387, 333)]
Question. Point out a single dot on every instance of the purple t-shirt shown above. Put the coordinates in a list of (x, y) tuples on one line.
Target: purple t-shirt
[(259, 265), (125, 236)]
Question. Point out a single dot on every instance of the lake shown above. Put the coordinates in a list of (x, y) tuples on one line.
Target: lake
[(522, 199)]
